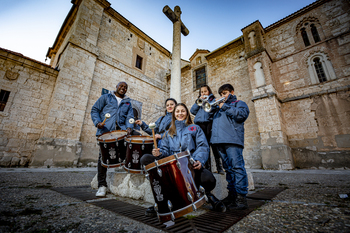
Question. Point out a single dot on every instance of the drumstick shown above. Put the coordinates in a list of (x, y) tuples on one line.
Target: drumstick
[(152, 126), (106, 117)]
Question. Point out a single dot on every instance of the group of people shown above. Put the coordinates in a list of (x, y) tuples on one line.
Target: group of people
[(221, 128)]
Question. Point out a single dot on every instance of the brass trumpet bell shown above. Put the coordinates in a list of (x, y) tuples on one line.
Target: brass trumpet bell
[(200, 101), (208, 106)]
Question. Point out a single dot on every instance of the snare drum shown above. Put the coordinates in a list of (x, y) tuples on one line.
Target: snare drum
[(112, 148), (136, 147), (173, 186)]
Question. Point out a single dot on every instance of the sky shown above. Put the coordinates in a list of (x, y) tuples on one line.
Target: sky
[(30, 27)]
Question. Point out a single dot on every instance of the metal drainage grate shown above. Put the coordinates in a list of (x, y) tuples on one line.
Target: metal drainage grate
[(209, 222)]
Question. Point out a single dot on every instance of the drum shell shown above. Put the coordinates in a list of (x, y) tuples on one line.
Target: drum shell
[(113, 150), (174, 185), (135, 149)]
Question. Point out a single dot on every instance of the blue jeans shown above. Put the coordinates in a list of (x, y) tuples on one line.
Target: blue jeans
[(233, 163)]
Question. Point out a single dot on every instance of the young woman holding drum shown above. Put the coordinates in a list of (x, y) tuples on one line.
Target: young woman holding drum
[(182, 136)]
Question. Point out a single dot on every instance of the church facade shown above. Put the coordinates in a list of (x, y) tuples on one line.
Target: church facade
[(294, 75)]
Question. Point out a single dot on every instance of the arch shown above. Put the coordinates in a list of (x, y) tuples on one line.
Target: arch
[(320, 68), (251, 38), (259, 74)]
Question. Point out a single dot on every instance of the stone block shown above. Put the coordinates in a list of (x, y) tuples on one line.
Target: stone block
[(137, 187)]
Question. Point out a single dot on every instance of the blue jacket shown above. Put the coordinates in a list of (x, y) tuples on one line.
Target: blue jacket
[(107, 103), (228, 122), (189, 137), (162, 125), (201, 115)]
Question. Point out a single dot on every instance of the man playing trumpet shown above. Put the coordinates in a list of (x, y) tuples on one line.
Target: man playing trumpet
[(118, 105)]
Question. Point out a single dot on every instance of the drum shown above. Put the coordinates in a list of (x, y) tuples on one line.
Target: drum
[(136, 147), (174, 190), (112, 148)]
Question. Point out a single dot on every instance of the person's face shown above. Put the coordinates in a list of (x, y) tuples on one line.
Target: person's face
[(204, 91), (122, 89), (180, 113), (170, 105), (226, 93)]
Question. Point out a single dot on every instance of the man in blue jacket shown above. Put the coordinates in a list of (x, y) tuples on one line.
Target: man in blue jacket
[(118, 105), (228, 137)]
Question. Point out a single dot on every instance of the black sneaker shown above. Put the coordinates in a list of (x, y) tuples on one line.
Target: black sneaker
[(230, 200), (151, 212), (241, 203), (216, 203)]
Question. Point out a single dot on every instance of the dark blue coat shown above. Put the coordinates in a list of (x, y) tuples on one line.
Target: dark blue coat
[(107, 103), (189, 137), (162, 125), (228, 122), (201, 115)]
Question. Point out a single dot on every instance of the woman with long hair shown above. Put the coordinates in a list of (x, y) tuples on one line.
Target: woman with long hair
[(184, 135)]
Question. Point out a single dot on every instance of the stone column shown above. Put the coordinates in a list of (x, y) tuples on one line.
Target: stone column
[(175, 89), (178, 28), (275, 151)]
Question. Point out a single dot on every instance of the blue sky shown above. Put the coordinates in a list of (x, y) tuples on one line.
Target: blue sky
[(30, 27)]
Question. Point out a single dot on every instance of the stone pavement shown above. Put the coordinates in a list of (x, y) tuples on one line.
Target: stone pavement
[(311, 202)]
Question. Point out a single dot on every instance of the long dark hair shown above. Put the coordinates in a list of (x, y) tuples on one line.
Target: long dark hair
[(208, 88), (172, 99), (172, 130)]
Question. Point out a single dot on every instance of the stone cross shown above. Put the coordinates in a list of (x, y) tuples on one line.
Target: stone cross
[(178, 28)]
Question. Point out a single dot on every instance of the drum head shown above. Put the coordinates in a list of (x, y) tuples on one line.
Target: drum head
[(139, 139), (112, 136)]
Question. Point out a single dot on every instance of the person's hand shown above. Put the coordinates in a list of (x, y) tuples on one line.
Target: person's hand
[(158, 136), (156, 152), (128, 131), (197, 165), (100, 125), (138, 122), (220, 105)]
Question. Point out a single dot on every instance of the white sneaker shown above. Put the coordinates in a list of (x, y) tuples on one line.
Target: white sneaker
[(101, 192)]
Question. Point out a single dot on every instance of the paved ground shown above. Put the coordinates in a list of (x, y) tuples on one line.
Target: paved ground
[(310, 203)]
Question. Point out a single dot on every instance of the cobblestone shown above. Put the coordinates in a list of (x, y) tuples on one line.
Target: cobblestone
[(310, 203)]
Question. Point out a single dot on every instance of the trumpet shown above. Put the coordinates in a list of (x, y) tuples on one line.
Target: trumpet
[(200, 101), (208, 106)]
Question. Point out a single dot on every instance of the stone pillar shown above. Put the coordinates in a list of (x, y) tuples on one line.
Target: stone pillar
[(178, 28), (175, 89), (59, 143), (275, 151)]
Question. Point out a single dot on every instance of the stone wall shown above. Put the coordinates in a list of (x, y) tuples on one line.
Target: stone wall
[(30, 84)]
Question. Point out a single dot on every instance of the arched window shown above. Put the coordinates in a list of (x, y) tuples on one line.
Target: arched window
[(315, 33), (310, 31), (320, 68), (305, 37)]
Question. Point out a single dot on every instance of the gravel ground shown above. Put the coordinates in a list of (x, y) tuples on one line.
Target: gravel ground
[(310, 203)]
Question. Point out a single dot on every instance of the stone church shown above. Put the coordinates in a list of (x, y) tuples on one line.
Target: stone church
[(294, 75)]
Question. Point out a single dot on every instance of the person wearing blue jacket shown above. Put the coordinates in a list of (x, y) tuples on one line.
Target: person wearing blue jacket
[(205, 120), (228, 137), (118, 105), (182, 136), (163, 122)]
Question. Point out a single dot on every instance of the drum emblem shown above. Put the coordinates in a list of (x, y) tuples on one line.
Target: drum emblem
[(112, 153), (157, 189), (135, 156)]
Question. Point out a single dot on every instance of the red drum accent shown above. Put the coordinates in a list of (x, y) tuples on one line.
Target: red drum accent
[(174, 187)]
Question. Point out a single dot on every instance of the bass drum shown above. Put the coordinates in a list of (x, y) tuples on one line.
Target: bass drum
[(174, 190)]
